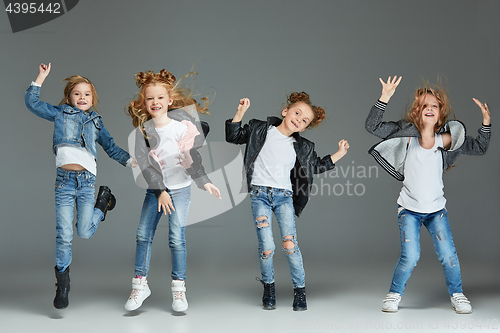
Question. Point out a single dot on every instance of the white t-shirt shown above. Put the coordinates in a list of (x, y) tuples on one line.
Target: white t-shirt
[(169, 155), (422, 190), (66, 154), (275, 160)]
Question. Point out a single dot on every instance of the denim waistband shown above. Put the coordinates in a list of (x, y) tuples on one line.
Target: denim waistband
[(270, 189), (68, 174)]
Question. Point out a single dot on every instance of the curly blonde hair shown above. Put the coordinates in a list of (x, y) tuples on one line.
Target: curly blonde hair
[(297, 97), (73, 80), (181, 96), (414, 114)]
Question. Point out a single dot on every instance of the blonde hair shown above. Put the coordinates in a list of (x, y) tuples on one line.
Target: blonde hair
[(72, 82), (319, 112), (414, 114), (181, 96)]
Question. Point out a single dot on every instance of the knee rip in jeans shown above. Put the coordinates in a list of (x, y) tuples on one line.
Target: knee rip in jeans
[(441, 236), (289, 244), (262, 222), (267, 254)]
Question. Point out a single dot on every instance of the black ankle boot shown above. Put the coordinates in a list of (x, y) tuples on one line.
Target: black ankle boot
[(299, 299), (105, 200), (61, 300), (268, 298)]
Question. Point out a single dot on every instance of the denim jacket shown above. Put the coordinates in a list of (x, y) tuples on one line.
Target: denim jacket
[(391, 152), (306, 165), (75, 127)]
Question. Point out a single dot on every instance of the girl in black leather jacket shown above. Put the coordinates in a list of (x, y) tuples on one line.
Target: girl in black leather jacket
[(279, 166)]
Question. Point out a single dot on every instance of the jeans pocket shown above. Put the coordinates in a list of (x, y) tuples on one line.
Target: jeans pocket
[(60, 182), (254, 192), (91, 181)]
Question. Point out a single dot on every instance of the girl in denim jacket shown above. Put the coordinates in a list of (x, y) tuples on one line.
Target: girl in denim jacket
[(166, 142), (77, 130), (279, 167), (416, 150)]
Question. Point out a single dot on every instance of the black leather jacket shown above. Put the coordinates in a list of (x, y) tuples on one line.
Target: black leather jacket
[(307, 163), (151, 170)]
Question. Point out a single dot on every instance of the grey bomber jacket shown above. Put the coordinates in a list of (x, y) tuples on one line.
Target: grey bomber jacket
[(390, 153)]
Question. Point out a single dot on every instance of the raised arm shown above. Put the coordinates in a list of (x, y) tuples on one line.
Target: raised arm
[(479, 145), (235, 133), (343, 147), (388, 88), (374, 123), (242, 109), (485, 111), (43, 72), (32, 97)]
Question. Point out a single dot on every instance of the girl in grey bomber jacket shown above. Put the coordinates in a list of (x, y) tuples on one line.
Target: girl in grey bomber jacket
[(417, 150)]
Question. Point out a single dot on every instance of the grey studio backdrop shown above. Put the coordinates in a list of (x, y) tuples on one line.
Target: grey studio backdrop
[(334, 50)]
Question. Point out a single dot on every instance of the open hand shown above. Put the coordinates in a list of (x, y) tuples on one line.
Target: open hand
[(165, 203), (485, 111), (389, 87)]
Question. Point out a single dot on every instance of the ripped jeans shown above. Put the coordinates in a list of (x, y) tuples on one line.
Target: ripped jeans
[(265, 201), (439, 228)]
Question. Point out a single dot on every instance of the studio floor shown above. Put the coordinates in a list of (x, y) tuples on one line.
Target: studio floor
[(343, 297)]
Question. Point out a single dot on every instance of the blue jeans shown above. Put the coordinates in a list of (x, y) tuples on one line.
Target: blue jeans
[(71, 187), (181, 198), (439, 228), (265, 201)]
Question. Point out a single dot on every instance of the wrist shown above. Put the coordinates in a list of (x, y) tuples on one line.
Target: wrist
[(384, 99)]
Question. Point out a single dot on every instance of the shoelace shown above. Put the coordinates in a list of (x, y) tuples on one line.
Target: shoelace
[(391, 298), (461, 299), (134, 294), (178, 295), (300, 296)]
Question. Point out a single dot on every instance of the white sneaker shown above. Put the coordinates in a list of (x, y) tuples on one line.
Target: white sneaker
[(391, 302), (140, 291), (179, 303), (460, 303)]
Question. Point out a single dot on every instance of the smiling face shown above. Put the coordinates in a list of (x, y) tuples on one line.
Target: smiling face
[(157, 100), (430, 110), (297, 117), (81, 96)]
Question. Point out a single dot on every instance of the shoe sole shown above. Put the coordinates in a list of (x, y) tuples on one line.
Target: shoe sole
[(389, 311), (180, 310), (455, 309), (299, 309), (138, 305)]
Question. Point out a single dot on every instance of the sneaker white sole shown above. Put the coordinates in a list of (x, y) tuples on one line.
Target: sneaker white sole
[(182, 308), (390, 310), (461, 312), (135, 306)]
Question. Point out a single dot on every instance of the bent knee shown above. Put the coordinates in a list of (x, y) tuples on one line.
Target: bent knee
[(289, 244)]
